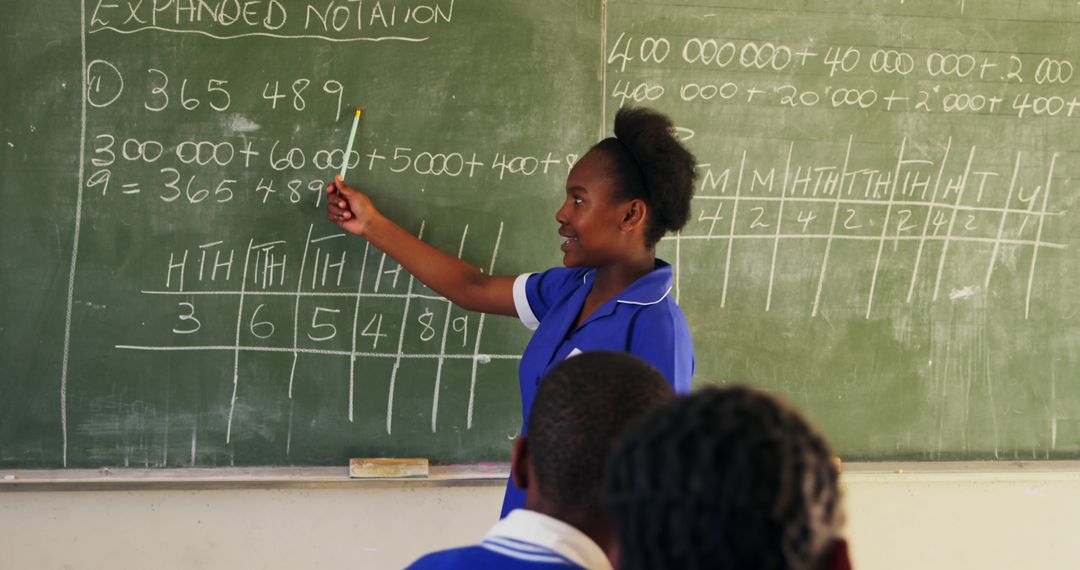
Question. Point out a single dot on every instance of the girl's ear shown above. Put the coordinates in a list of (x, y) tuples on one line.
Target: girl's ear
[(838, 557), (636, 214), (519, 463)]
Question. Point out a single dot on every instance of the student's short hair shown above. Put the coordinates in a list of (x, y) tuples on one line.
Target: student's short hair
[(652, 165), (581, 407), (724, 478)]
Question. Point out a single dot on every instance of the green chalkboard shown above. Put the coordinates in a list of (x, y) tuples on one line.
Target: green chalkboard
[(886, 225), (211, 315), (884, 229)]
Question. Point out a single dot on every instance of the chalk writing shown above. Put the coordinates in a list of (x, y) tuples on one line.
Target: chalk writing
[(914, 172), (336, 20)]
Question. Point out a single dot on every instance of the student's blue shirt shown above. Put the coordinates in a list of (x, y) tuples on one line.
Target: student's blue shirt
[(643, 320), (480, 558), (525, 540)]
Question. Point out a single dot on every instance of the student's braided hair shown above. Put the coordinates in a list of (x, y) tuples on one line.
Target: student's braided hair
[(724, 478), (582, 405), (652, 165)]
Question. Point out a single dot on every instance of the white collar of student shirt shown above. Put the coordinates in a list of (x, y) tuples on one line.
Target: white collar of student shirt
[(521, 528), (649, 289)]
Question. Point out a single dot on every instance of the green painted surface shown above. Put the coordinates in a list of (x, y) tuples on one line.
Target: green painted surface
[(884, 232)]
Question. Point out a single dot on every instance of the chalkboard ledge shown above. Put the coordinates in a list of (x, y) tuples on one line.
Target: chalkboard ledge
[(486, 474), (960, 471), (125, 479)]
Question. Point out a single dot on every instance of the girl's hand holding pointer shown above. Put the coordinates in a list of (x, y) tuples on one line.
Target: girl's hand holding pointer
[(348, 207)]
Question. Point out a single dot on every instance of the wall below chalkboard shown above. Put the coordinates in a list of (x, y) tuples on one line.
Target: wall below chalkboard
[(974, 515)]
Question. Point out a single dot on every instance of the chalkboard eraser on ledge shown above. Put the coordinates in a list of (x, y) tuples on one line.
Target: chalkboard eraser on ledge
[(387, 467)]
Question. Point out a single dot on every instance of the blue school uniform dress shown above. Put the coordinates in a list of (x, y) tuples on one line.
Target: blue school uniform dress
[(643, 320), (525, 540)]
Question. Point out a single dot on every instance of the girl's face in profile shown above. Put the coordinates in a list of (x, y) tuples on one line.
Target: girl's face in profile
[(591, 217)]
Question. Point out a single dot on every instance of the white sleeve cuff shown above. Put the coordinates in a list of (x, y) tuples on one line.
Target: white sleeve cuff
[(521, 303)]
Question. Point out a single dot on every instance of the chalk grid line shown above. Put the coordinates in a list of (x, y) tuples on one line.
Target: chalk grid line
[(243, 294), (890, 203), (75, 237)]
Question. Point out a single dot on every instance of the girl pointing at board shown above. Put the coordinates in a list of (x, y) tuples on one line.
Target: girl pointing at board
[(613, 293)]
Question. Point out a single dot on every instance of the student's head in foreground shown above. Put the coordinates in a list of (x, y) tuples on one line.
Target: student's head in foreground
[(582, 405), (726, 478)]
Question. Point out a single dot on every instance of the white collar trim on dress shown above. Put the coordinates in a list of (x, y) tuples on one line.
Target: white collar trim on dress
[(587, 274), (662, 297), (529, 535)]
